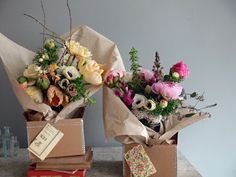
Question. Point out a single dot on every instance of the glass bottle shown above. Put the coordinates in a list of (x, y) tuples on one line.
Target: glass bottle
[(16, 146), (6, 141), (1, 144)]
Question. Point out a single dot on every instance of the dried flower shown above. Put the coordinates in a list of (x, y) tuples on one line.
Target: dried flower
[(64, 83), (72, 90)]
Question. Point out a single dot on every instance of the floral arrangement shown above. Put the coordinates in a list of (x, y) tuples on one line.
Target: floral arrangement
[(59, 79), (62, 70), (152, 94)]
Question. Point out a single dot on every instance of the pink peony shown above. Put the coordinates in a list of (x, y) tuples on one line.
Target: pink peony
[(146, 75), (113, 75), (169, 90), (181, 68)]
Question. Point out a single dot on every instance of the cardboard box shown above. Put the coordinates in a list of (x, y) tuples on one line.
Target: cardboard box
[(163, 157), (68, 165), (71, 144), (47, 173)]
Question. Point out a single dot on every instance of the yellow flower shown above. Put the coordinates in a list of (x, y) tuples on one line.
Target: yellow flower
[(83, 53), (93, 78), (91, 71), (53, 67), (78, 50), (35, 93), (73, 47)]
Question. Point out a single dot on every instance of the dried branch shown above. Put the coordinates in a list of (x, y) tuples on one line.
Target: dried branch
[(69, 10), (55, 37), (44, 20), (209, 106), (46, 28)]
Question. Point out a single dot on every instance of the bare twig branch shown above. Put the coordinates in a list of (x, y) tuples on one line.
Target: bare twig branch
[(44, 20), (55, 37), (209, 106), (69, 10), (46, 28)]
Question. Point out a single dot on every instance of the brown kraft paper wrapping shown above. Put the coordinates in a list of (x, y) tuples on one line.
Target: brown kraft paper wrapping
[(15, 58)]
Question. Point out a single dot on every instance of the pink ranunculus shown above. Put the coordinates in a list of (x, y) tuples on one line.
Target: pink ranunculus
[(146, 75), (169, 90), (128, 98), (181, 68), (112, 75)]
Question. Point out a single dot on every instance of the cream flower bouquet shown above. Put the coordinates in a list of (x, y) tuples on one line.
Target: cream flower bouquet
[(60, 77)]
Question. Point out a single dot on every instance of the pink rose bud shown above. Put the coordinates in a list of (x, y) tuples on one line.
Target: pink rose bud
[(181, 68), (113, 75)]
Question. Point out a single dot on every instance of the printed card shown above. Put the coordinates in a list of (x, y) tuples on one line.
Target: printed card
[(45, 141), (139, 163)]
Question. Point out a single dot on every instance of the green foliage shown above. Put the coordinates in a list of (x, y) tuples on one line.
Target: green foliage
[(134, 62), (51, 57), (172, 79), (135, 84), (171, 107), (22, 79), (80, 86)]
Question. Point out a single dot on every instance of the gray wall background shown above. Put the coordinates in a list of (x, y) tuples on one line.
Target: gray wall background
[(201, 32)]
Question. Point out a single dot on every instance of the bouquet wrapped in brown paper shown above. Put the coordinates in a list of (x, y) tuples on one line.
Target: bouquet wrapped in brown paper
[(146, 106), (60, 77)]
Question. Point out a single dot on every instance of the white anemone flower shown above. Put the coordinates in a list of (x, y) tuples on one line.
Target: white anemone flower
[(139, 101)]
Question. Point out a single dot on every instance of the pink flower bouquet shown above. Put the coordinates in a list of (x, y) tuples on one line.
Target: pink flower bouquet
[(155, 99)]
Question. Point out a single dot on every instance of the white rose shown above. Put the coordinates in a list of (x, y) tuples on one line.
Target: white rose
[(32, 71)]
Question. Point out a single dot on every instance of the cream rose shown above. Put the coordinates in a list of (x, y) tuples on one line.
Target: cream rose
[(91, 71), (35, 93), (73, 47), (83, 53), (32, 71)]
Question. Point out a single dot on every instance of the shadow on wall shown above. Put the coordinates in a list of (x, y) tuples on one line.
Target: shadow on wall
[(12, 115)]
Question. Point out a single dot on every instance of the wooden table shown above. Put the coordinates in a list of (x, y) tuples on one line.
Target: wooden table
[(107, 163)]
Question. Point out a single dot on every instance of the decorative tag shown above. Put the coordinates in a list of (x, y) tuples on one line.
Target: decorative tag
[(45, 141), (139, 163)]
